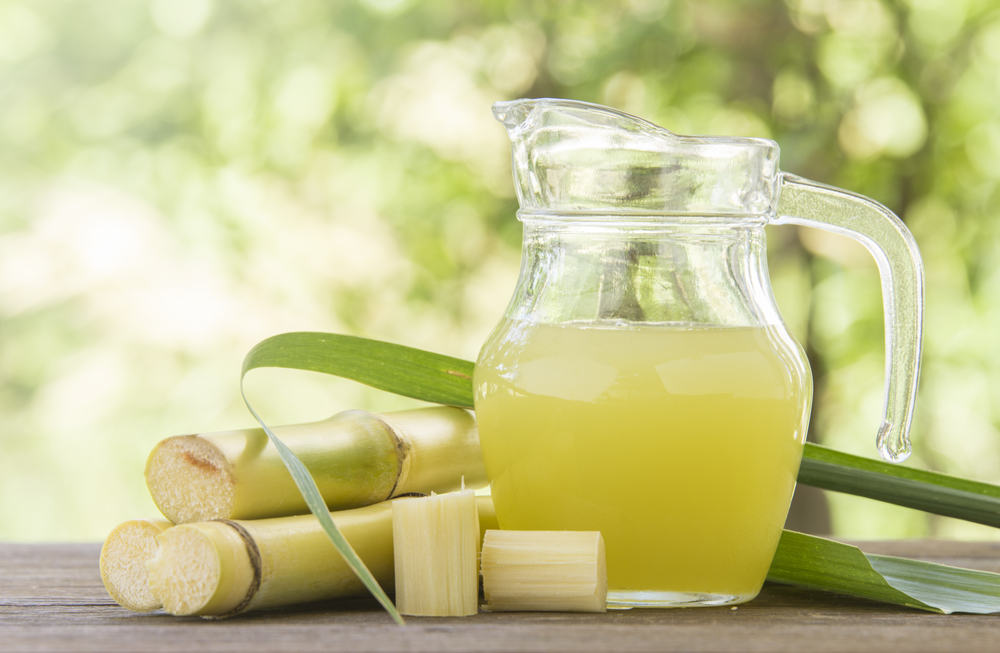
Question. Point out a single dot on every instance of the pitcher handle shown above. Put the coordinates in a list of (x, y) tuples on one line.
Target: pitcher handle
[(812, 204)]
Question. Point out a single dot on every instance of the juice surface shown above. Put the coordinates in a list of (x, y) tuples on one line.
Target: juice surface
[(681, 445)]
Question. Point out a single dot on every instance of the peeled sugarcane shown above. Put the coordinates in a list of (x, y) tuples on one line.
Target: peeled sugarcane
[(357, 459), (556, 571), (436, 545), (123, 563), (223, 568)]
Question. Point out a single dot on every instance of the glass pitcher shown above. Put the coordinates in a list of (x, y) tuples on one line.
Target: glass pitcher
[(642, 382)]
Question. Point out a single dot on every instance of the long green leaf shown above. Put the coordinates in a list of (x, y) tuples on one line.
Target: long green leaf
[(822, 564), (401, 370), (914, 488), (801, 560)]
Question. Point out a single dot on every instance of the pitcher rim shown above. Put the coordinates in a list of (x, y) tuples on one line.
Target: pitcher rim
[(499, 109)]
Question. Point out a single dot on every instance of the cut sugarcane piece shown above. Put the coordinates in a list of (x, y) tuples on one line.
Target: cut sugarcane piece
[(224, 568), (356, 458), (557, 571), (202, 568), (436, 540), (220, 568), (123, 563)]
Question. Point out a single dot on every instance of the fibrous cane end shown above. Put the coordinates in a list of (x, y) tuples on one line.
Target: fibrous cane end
[(190, 480), (185, 572), (123, 563)]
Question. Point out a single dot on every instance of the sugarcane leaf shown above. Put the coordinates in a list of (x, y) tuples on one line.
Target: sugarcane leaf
[(394, 368), (905, 486), (949, 589), (801, 560), (822, 564)]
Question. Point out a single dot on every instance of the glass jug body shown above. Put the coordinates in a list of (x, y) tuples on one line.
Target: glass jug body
[(643, 385), (641, 382)]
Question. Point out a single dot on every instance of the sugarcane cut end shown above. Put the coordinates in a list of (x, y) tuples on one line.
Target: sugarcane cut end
[(202, 569), (123, 563), (190, 479)]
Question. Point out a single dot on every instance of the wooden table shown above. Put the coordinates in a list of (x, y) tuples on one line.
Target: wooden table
[(51, 598)]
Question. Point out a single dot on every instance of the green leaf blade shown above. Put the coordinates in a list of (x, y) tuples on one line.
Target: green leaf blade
[(402, 370), (826, 565), (949, 589), (939, 494)]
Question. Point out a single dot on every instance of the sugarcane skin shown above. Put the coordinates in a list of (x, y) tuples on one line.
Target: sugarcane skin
[(299, 563)]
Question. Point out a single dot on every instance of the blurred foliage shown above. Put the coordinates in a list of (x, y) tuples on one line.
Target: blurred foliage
[(181, 178)]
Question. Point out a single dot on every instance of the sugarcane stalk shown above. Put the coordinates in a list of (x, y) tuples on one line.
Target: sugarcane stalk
[(357, 458), (223, 568), (123, 563)]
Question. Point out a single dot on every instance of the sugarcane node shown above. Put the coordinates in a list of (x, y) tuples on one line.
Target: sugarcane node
[(253, 553), (403, 456)]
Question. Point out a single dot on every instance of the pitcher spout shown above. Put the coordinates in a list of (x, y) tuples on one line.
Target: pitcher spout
[(577, 157), (514, 113)]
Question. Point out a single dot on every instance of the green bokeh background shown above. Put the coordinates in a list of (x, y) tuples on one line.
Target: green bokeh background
[(180, 179)]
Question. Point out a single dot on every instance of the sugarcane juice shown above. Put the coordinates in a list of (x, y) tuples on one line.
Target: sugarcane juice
[(680, 444)]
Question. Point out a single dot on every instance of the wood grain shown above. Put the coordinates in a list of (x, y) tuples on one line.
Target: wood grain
[(51, 598)]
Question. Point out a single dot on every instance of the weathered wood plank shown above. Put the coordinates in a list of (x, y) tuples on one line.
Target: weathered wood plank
[(51, 598)]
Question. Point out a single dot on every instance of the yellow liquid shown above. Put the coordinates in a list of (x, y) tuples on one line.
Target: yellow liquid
[(681, 445)]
